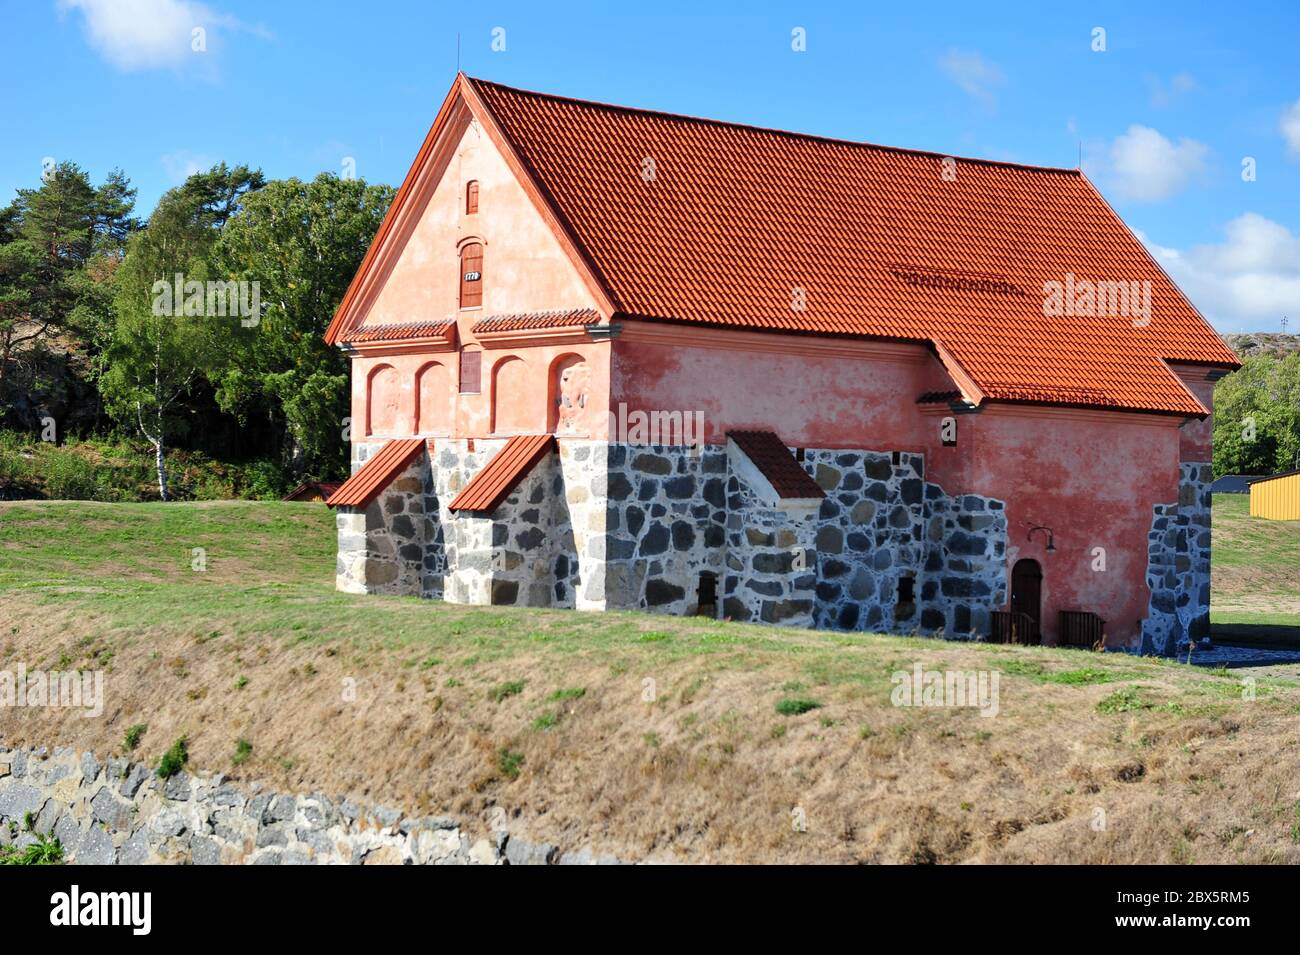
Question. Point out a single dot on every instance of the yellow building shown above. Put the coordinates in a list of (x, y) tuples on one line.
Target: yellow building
[(1276, 498)]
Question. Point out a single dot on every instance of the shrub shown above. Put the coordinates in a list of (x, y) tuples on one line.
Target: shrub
[(68, 476), (44, 851), (243, 750), (174, 759), (133, 735), (793, 706)]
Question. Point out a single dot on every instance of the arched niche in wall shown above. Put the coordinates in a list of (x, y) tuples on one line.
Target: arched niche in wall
[(433, 399), (567, 386), (384, 401), (512, 410)]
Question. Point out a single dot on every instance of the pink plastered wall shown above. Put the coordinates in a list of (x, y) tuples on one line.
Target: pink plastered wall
[(525, 270), (511, 403), (1092, 477)]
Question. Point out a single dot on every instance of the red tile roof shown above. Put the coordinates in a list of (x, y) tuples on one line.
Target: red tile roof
[(557, 318), (399, 332), (774, 460), (736, 219), (496, 479), (313, 491), (377, 473)]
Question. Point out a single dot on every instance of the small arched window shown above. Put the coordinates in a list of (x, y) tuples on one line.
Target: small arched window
[(471, 275), (471, 197)]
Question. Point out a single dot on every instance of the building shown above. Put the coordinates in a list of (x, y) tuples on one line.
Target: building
[(312, 491), (1276, 498), (1234, 483), (609, 358)]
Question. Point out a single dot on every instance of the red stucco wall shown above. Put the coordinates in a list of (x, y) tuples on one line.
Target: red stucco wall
[(1093, 477)]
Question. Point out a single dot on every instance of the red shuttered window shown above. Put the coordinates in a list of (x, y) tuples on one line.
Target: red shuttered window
[(471, 372), (471, 197), (471, 275)]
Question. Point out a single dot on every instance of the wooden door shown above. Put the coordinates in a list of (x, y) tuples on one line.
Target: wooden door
[(1027, 591)]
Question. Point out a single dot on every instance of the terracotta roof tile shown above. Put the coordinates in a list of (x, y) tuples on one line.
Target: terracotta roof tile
[(777, 464), (736, 219), (557, 318), (496, 479), (400, 331), (377, 473)]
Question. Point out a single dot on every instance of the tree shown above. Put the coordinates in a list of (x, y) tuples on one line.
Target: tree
[(161, 346), (1257, 417), (302, 242), (47, 237)]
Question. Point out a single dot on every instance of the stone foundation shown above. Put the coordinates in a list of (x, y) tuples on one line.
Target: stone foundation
[(665, 528), (1178, 568)]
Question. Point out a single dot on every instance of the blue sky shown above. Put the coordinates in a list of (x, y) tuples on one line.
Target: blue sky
[(1164, 115)]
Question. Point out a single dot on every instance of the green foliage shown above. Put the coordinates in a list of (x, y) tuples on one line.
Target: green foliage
[(1124, 700), (302, 242), (503, 690), (1257, 417), (174, 760), (509, 762), (794, 706), (54, 241), (572, 693), (46, 850), (243, 752), (133, 736), (546, 721), (161, 351), (121, 471)]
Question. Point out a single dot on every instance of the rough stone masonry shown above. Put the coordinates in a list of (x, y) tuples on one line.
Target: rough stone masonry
[(620, 526), (121, 813)]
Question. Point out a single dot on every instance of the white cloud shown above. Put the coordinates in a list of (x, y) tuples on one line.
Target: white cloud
[(180, 165), (1145, 166), (148, 34), (1290, 126), (1245, 283), (974, 74)]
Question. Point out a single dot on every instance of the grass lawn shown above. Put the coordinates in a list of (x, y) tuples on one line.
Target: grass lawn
[(645, 736), (1256, 597)]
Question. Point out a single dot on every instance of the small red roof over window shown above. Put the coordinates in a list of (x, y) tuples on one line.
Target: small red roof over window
[(496, 479), (377, 473), (777, 464), (560, 318), (401, 331)]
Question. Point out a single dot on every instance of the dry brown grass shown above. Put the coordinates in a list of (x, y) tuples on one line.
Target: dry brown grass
[(1183, 768), (710, 771)]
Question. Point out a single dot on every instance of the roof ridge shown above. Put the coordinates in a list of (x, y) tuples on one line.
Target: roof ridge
[(793, 134)]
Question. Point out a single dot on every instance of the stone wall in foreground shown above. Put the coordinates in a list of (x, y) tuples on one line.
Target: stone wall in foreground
[(120, 813)]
